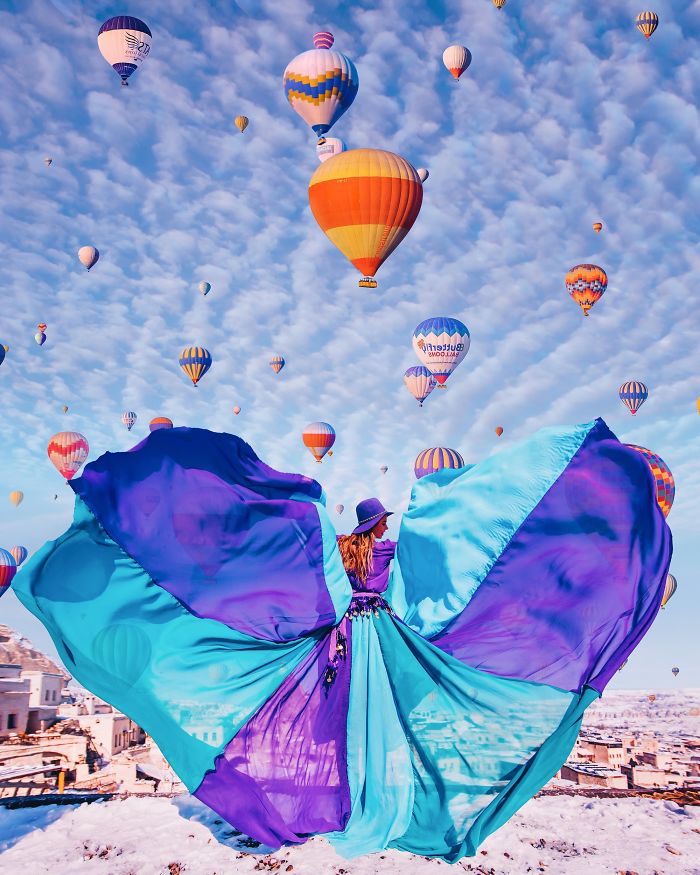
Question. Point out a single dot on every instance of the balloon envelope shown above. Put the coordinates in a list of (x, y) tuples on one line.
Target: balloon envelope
[(89, 256), (329, 147), (339, 508), (16, 497), (597, 227), (40, 338), (456, 58), (665, 484), (586, 283), (435, 459), (204, 287), (499, 430), (423, 174), (241, 122), (236, 410), (320, 86), (124, 42), (319, 437), (670, 588), (277, 363), (159, 422), (67, 451), (19, 554), (647, 22), (129, 418), (420, 382), (8, 569), (441, 343), (633, 394), (195, 361), (366, 201), (674, 671), (384, 469), (48, 161)]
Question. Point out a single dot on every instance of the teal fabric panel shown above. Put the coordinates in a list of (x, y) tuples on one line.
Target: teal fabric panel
[(470, 735), (133, 644), (379, 759), (459, 522)]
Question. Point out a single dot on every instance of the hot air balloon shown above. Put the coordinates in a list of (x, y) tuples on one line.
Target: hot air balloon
[(67, 451), (499, 430), (124, 42), (236, 410), (277, 363), (195, 361), (19, 554), (597, 227), (665, 484), (329, 147), (651, 697), (674, 671), (129, 418), (384, 469), (456, 59), (366, 201), (65, 408), (423, 173), (586, 283), (339, 508), (40, 336), (204, 288), (159, 422), (16, 497), (48, 161), (435, 459), (419, 382), (441, 343), (320, 84), (647, 22), (8, 569), (670, 588), (499, 4), (241, 122), (89, 256), (319, 437), (633, 394)]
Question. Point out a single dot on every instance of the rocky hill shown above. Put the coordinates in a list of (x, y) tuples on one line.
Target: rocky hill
[(15, 648)]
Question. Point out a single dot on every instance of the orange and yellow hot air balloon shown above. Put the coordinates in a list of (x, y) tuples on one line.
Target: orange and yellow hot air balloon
[(597, 227), (499, 430), (586, 283), (366, 201)]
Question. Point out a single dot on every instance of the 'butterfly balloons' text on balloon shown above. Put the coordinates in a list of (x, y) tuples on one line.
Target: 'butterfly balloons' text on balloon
[(441, 343)]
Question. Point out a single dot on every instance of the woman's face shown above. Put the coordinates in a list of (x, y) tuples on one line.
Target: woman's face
[(380, 528)]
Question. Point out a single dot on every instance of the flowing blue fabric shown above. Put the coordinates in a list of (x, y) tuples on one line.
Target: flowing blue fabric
[(202, 593)]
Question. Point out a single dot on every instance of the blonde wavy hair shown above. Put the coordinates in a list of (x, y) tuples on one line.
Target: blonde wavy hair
[(356, 553)]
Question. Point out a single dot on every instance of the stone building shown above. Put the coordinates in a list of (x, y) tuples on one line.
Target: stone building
[(14, 700)]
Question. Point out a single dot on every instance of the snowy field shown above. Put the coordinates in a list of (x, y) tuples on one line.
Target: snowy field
[(559, 835)]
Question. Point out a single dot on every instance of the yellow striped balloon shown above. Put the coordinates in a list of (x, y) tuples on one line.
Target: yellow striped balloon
[(16, 497), (647, 22), (435, 459), (499, 4), (195, 361), (366, 201)]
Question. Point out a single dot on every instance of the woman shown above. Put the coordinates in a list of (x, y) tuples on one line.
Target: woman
[(203, 594)]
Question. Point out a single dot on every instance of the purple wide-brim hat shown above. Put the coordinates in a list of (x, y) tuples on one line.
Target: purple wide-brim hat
[(369, 512)]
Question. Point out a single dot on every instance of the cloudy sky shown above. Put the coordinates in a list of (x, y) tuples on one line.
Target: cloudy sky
[(566, 116)]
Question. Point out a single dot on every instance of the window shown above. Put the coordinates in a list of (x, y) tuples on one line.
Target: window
[(205, 737), (46, 695), (116, 741), (12, 721), (53, 695), (213, 735)]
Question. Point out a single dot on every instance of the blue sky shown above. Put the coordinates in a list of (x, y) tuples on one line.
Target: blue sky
[(566, 116)]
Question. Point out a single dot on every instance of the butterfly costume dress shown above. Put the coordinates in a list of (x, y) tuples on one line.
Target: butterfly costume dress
[(202, 593)]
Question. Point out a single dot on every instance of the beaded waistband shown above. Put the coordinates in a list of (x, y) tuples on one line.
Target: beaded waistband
[(365, 603)]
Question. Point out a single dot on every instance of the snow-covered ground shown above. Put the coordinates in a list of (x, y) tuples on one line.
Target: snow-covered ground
[(559, 835)]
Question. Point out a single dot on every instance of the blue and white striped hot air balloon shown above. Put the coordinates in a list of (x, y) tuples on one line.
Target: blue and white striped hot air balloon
[(419, 382), (124, 42), (277, 363), (633, 394), (320, 84), (20, 553), (435, 459), (441, 343), (129, 418)]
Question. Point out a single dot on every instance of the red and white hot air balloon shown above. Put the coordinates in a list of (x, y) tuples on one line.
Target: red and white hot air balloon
[(456, 58), (67, 451), (319, 437)]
